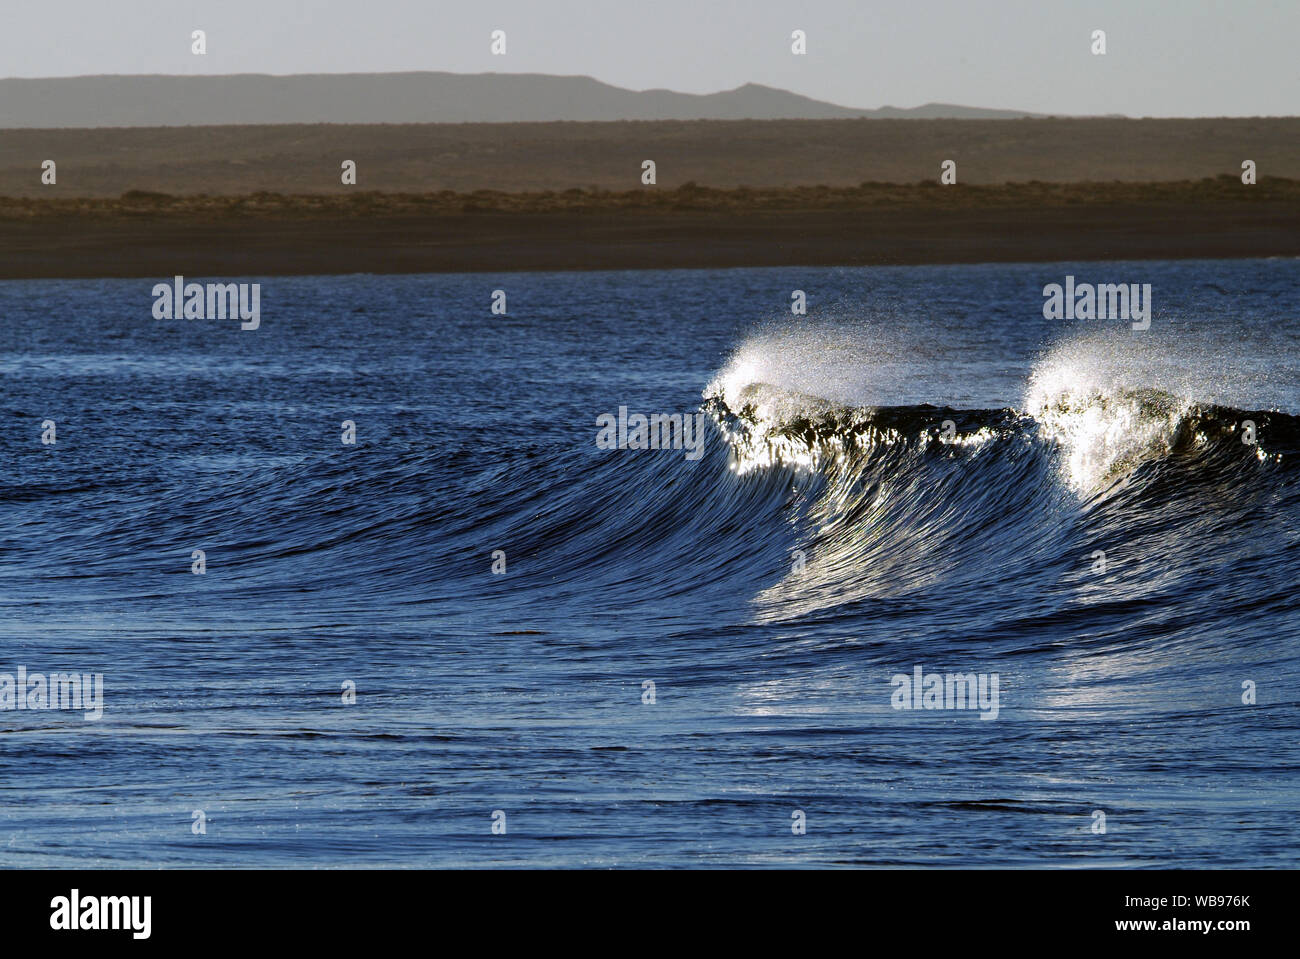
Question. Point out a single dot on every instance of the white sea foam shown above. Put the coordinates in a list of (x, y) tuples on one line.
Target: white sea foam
[(1113, 402)]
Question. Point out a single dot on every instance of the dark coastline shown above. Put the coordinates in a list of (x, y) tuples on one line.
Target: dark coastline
[(150, 235)]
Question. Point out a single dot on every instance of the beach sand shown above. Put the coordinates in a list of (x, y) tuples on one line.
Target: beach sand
[(148, 235)]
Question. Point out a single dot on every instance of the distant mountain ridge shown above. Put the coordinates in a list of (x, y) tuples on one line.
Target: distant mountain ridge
[(254, 98)]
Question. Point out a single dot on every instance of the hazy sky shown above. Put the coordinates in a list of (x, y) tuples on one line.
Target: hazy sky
[(1164, 57)]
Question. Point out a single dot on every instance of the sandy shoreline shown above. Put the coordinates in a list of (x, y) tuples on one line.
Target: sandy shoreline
[(152, 235)]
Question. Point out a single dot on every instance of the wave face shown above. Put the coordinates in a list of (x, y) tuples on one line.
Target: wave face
[(923, 474), (895, 501)]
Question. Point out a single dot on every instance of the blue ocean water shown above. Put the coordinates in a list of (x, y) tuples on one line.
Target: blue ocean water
[(919, 473)]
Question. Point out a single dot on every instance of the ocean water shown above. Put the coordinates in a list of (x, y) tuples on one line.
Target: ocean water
[(922, 473)]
